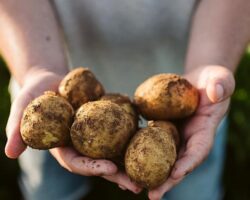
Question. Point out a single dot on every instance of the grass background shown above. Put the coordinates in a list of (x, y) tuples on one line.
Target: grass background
[(236, 172)]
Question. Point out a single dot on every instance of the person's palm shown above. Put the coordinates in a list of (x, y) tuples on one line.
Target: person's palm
[(215, 85), (34, 86)]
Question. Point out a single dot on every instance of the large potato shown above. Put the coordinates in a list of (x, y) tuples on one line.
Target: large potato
[(125, 103), (101, 129), (166, 96), (80, 86), (150, 156), (46, 122)]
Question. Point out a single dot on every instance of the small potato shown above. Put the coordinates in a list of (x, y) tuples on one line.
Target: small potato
[(80, 86), (101, 129), (170, 127), (166, 96), (150, 156), (46, 122), (125, 103)]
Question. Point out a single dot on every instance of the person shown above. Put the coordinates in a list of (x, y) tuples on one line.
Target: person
[(124, 42)]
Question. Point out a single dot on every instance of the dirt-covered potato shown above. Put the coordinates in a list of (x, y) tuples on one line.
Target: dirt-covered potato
[(150, 156), (80, 86), (170, 127), (125, 103), (101, 129), (46, 122), (166, 96)]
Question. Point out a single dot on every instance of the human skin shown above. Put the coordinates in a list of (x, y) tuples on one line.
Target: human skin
[(32, 46)]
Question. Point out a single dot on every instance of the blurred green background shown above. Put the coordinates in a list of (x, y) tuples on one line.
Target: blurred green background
[(236, 173)]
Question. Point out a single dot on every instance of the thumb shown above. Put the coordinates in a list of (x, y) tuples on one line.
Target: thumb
[(220, 84), (15, 146)]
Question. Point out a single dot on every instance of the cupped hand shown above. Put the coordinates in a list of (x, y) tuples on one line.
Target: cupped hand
[(75, 163), (216, 85), (34, 85)]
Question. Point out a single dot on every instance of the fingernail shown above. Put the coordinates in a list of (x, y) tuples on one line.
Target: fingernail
[(219, 92)]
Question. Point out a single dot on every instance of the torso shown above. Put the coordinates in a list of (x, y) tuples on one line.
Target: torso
[(124, 42)]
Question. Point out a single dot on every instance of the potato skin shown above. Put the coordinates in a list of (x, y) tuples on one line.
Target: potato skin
[(125, 103), (170, 127), (150, 156), (166, 96), (101, 129), (80, 86), (46, 122)]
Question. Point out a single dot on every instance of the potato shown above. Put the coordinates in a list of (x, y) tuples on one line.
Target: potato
[(125, 103), (150, 156), (80, 86), (46, 122), (166, 96), (101, 129), (170, 127)]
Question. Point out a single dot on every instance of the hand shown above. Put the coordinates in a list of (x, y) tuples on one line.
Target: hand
[(75, 163), (215, 85), (35, 84)]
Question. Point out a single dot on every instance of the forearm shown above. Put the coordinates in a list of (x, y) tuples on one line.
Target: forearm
[(220, 33), (30, 38)]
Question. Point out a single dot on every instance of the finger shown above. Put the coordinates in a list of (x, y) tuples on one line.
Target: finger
[(199, 133), (197, 149), (220, 84), (157, 193), (123, 180), (122, 187), (15, 146), (70, 159)]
